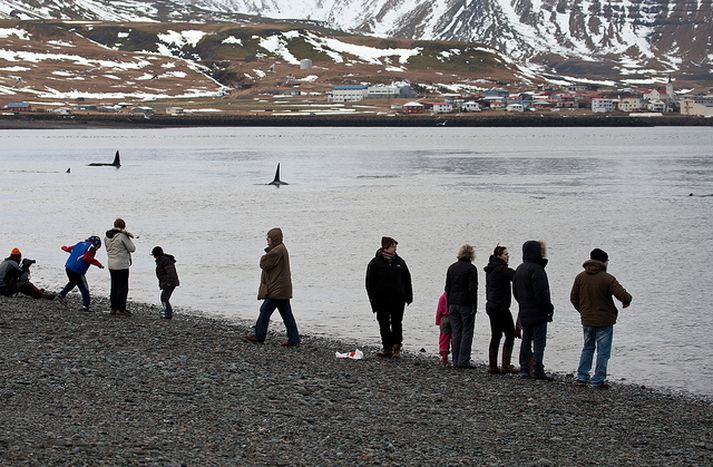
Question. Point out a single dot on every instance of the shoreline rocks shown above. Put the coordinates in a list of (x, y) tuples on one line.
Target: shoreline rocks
[(92, 389), (46, 121)]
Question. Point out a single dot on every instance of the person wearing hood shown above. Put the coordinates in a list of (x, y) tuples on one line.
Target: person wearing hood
[(15, 277), (462, 295), (81, 257), (591, 296), (118, 249), (275, 290), (167, 279), (531, 289), (388, 285), (498, 277)]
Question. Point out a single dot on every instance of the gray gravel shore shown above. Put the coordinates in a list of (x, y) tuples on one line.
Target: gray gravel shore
[(91, 389)]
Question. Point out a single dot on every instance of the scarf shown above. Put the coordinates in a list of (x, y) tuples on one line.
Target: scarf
[(387, 256)]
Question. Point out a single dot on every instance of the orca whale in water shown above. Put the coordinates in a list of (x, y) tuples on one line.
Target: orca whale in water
[(116, 163), (277, 181)]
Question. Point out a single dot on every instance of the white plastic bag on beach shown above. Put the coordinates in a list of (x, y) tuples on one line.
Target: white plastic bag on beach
[(353, 355)]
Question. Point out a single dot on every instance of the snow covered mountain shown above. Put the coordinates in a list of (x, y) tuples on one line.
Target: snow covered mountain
[(622, 39)]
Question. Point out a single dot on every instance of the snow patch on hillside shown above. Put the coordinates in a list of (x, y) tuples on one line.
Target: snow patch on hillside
[(277, 45), (178, 40), (232, 40), (19, 33)]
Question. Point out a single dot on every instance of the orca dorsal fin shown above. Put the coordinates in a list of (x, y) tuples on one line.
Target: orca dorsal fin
[(277, 181), (117, 161)]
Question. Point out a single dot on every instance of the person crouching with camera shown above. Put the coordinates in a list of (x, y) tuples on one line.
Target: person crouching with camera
[(15, 277)]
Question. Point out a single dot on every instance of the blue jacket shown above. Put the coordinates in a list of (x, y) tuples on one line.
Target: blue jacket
[(76, 261)]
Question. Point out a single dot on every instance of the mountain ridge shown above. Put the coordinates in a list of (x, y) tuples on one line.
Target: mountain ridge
[(631, 39)]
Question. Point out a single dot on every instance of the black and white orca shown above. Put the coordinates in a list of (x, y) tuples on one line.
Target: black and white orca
[(277, 181), (116, 163)]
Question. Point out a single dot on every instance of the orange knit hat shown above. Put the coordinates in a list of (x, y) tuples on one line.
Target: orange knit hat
[(15, 252)]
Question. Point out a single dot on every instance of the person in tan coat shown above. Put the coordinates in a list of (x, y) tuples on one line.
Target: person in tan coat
[(276, 290), (591, 296)]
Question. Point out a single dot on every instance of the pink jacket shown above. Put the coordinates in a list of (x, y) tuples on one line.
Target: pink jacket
[(442, 309)]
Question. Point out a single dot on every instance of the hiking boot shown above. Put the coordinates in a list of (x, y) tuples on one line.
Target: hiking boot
[(603, 386), (251, 338), (579, 383), (86, 309), (290, 344), (544, 377), (166, 316), (396, 351), (385, 353), (125, 313), (114, 313)]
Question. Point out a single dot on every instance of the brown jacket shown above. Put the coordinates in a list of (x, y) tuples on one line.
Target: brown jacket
[(276, 279), (592, 295)]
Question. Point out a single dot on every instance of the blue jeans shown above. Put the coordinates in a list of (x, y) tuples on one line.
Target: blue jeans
[(533, 336), (599, 338), (79, 281), (263, 321), (165, 301)]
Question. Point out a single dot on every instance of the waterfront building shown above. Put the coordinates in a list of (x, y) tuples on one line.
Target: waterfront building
[(630, 104), (470, 106), (413, 108), (18, 106), (348, 93), (701, 106), (600, 105)]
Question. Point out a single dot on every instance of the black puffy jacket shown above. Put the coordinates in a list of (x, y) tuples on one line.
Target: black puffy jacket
[(531, 287), (497, 284), (166, 271), (388, 283), (462, 284)]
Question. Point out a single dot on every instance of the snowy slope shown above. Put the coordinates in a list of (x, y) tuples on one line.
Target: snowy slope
[(632, 37)]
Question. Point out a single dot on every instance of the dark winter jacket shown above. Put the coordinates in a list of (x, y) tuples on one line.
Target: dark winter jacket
[(10, 272), (462, 284), (276, 277), (531, 287), (166, 271), (498, 277), (388, 283), (592, 295)]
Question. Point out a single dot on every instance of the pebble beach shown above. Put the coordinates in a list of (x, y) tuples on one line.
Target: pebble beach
[(82, 388)]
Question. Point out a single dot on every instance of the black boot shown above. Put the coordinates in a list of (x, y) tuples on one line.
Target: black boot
[(506, 367), (493, 362)]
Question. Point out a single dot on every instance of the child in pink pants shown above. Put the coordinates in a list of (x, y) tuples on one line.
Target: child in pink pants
[(444, 340)]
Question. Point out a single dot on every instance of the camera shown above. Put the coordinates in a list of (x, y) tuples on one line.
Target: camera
[(27, 262)]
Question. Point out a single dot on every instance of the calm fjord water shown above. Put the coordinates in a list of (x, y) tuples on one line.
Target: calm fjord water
[(200, 194)]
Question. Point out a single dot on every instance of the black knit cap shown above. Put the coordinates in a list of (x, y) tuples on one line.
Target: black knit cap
[(599, 255), (157, 251)]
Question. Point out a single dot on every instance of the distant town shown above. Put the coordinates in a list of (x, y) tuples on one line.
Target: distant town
[(400, 99)]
